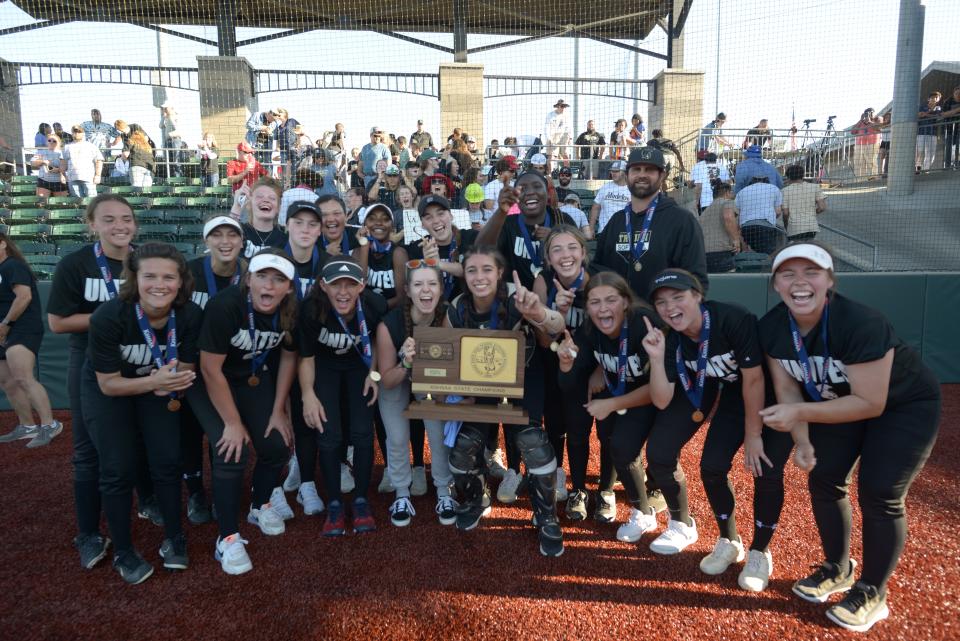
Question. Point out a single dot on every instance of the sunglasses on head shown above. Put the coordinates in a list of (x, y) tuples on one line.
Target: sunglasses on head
[(417, 263)]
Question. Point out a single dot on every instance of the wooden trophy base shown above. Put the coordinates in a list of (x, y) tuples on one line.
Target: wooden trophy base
[(435, 411)]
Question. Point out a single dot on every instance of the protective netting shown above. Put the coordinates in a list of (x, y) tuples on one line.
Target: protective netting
[(796, 82)]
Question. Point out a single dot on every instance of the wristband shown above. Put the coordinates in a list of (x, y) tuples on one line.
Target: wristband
[(405, 365)]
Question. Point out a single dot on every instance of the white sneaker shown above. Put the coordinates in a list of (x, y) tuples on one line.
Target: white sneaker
[(307, 497), (279, 502), (675, 538), (562, 493), (637, 525), (385, 486), (418, 486), (507, 490), (755, 575), (350, 454), (232, 555), (724, 553), (292, 482), (495, 463), (346, 479), (267, 518)]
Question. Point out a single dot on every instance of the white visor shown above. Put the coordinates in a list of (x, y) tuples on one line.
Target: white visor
[(271, 261), (816, 255), (213, 223)]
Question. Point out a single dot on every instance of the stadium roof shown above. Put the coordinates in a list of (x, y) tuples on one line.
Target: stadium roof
[(613, 19)]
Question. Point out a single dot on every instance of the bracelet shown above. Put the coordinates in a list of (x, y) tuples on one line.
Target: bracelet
[(405, 365)]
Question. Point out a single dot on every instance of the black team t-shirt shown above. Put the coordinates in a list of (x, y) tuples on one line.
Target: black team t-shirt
[(578, 308), (16, 272), (512, 245), (117, 344), (255, 240), (79, 288), (380, 276), (226, 330), (201, 290), (325, 340), (855, 334)]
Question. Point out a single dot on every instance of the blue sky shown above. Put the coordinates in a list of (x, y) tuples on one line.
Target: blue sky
[(823, 57)]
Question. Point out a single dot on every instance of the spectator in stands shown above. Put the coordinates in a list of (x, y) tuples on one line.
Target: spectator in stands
[(102, 135), (638, 131), (571, 207), (759, 135), (140, 154), (473, 194), (354, 177), (84, 164), (454, 172), (506, 169), (355, 200), (21, 332), (760, 205), (120, 171), (510, 147), (565, 176), (620, 140), (703, 175), (754, 166), (260, 128), (411, 172), (48, 160), (403, 152), (611, 197), (494, 151), (951, 147), (40, 138), (406, 198), (927, 131), (285, 135), (721, 231), (384, 188), (325, 172), (557, 131), (58, 129), (421, 138), (429, 162), (590, 143), (170, 126), (303, 145), (866, 134), (711, 136), (669, 148), (126, 129), (884, 152), (208, 154), (373, 152), (246, 169), (802, 203), (472, 149)]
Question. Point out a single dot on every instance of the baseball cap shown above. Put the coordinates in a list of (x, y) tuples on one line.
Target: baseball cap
[(245, 147), (538, 159), (815, 254), (474, 193), (675, 279), (427, 154), (419, 122), (618, 165), (754, 151), (511, 162), (572, 197), (264, 261), (561, 103), (375, 130), (342, 268), (220, 221), (648, 156), (432, 199), (566, 171), (303, 205), (392, 170), (471, 139)]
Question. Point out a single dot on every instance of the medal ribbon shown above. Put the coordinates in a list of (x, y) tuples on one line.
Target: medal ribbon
[(366, 352), (815, 392), (534, 254), (344, 243), (256, 360), (212, 281), (305, 282), (150, 338), (104, 270), (448, 280), (621, 365), (552, 290), (380, 249), (640, 248), (693, 391), (494, 308)]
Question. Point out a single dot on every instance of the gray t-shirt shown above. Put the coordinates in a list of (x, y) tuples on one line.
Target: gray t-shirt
[(757, 204), (54, 157)]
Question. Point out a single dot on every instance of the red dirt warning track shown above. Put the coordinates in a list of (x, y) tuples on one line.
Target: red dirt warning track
[(432, 582)]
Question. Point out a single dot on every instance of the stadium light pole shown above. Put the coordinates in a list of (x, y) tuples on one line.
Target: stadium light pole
[(716, 74), (906, 96)]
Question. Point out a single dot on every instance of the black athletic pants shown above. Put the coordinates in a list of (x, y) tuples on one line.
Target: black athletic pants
[(191, 450), (557, 418), (892, 449), (627, 435), (254, 405), (118, 425)]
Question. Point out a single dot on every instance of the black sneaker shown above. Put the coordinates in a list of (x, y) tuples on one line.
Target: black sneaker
[(469, 515), (92, 548), (826, 580), (551, 539), (401, 512), (198, 511), (446, 510), (656, 501), (174, 553), (577, 505), (132, 568), (860, 609), (149, 509)]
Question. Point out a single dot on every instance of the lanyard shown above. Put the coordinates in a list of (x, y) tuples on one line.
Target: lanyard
[(694, 391), (212, 281), (448, 280), (314, 261), (256, 360), (815, 392), (366, 352), (494, 308), (104, 270), (621, 365), (380, 249), (552, 290), (534, 254), (344, 243), (151, 340), (643, 244)]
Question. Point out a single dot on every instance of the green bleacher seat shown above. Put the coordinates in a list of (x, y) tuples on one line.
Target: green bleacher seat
[(191, 233), (187, 249), (176, 180), (161, 202), (182, 216), (28, 247), (28, 232), (202, 201), (139, 202), (63, 202), (69, 231), (31, 179), (187, 190), (69, 246), (752, 262), (21, 189), (124, 190), (154, 190), (148, 217), (23, 202), (219, 190), (163, 232), (43, 265), (25, 216), (585, 193), (65, 216), (195, 181)]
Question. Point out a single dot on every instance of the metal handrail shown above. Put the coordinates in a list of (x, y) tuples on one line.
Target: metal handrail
[(875, 250)]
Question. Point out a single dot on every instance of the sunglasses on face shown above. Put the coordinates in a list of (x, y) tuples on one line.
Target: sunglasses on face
[(417, 263)]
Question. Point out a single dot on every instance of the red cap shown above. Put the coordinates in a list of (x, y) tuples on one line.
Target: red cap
[(511, 162), (245, 147)]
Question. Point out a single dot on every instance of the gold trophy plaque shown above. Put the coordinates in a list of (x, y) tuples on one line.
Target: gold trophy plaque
[(469, 363)]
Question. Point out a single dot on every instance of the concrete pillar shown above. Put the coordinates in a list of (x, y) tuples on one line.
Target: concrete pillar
[(226, 99), (461, 100), (678, 108), (906, 98), (676, 45), (11, 122)]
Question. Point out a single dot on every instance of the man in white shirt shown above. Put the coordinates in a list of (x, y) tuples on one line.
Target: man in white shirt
[(557, 132), (703, 175), (571, 207), (84, 163), (506, 170), (611, 198)]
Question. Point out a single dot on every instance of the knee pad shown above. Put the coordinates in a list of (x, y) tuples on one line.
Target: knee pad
[(536, 451), (463, 454)]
